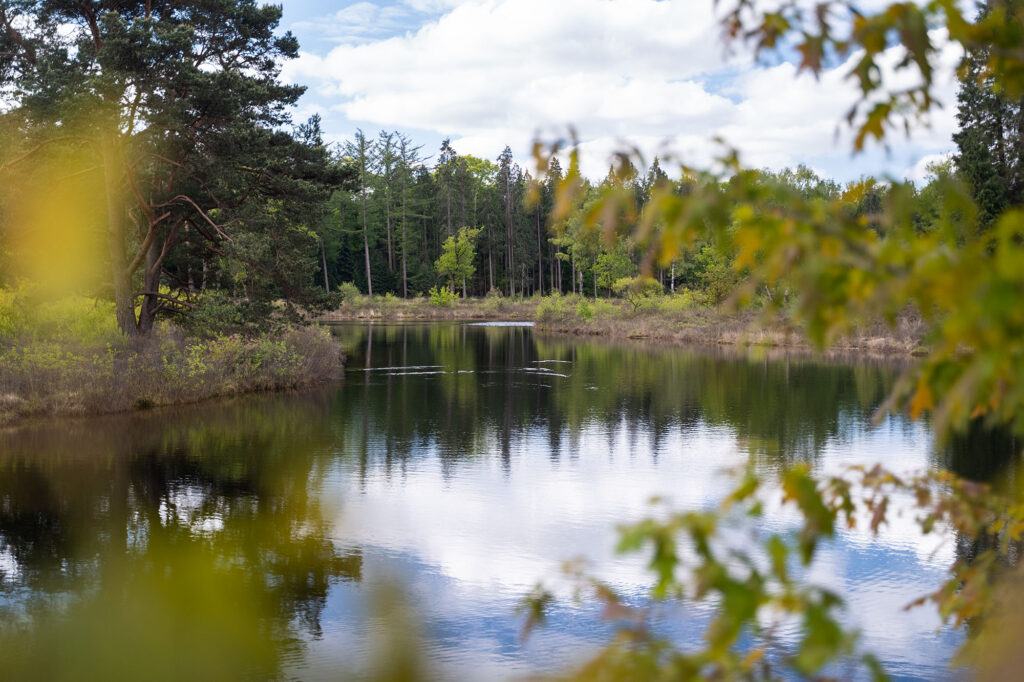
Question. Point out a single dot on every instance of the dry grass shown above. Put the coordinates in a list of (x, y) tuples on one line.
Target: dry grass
[(671, 323), (420, 308)]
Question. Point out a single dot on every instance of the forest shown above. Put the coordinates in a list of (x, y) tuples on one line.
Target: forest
[(193, 205)]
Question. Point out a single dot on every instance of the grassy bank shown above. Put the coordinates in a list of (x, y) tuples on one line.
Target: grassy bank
[(421, 308), (67, 357), (679, 319)]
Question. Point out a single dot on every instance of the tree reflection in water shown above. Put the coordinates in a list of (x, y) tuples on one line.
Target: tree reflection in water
[(162, 546)]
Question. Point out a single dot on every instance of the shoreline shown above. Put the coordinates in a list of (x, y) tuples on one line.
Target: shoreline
[(738, 334), (420, 309), (612, 319), (170, 410), (663, 321)]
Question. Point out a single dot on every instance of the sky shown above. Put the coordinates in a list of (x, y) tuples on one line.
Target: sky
[(646, 74)]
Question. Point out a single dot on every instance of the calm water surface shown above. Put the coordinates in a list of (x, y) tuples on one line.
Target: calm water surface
[(265, 537)]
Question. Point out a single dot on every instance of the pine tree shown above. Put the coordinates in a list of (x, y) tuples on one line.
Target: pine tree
[(990, 141), (179, 103)]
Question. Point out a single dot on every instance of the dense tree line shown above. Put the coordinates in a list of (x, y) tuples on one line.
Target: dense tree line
[(386, 232)]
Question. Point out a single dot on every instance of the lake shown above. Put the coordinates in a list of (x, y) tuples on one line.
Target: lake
[(394, 522)]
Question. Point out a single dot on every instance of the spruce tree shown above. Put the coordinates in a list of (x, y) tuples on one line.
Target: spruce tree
[(990, 141)]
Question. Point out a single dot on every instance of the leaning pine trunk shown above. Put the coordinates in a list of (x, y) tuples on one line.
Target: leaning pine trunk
[(150, 287)]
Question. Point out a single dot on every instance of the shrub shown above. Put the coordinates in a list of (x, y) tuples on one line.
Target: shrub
[(216, 313), (495, 304), (683, 301), (73, 319), (585, 310), (10, 314), (75, 376), (717, 274), (349, 292), (638, 290), (555, 309), (603, 308), (442, 297)]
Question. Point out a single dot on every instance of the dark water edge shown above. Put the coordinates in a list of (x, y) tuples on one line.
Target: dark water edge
[(266, 534)]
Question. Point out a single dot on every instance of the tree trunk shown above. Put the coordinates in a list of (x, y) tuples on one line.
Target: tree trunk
[(387, 211), (323, 260), (672, 278), (124, 308), (150, 286), (558, 265), (540, 260), (509, 230), (551, 268), (366, 249), (405, 277)]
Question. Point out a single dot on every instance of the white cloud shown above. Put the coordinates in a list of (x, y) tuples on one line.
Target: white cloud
[(492, 72), (358, 23), (921, 172)]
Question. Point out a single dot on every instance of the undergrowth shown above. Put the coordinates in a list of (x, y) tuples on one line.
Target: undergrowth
[(68, 357)]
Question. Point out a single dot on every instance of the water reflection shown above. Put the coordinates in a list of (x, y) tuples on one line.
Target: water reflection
[(130, 541), (465, 462)]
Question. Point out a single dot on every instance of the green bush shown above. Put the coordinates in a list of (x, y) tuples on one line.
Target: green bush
[(604, 309), (717, 274), (74, 319), (556, 309), (585, 310), (10, 313), (216, 313), (442, 297), (638, 291), (349, 292), (495, 303), (682, 301)]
